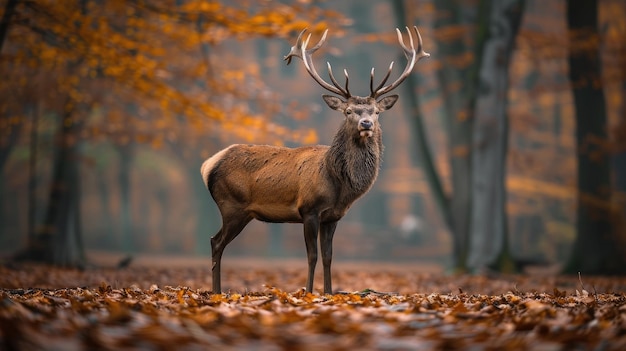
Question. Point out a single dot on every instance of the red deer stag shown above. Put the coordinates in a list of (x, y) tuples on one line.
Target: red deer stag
[(313, 185)]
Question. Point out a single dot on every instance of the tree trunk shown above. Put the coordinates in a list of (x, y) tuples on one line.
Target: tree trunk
[(459, 109), (106, 230), (32, 175), (426, 159), (60, 242), (125, 153), (9, 10), (9, 131), (11, 136), (597, 249), (63, 218), (619, 172), (488, 244)]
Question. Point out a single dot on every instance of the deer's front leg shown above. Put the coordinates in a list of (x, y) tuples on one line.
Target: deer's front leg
[(327, 230), (311, 229)]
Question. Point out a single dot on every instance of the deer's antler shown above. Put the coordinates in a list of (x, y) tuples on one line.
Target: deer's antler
[(412, 54), (299, 50)]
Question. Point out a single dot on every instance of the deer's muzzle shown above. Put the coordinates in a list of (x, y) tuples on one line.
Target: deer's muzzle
[(365, 127)]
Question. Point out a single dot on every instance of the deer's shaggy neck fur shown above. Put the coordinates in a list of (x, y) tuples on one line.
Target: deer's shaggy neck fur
[(354, 161)]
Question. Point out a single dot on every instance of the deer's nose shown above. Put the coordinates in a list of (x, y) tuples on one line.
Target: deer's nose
[(365, 124)]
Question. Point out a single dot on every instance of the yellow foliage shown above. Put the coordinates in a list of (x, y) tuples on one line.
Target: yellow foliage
[(310, 137), (146, 61)]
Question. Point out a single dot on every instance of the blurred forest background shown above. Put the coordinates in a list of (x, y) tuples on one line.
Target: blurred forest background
[(508, 145)]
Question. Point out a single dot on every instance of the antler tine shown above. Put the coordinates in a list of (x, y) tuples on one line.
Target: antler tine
[(345, 92), (372, 81), (420, 47), (407, 51), (412, 56), (408, 31), (372, 90), (296, 49), (319, 43), (300, 50), (345, 73)]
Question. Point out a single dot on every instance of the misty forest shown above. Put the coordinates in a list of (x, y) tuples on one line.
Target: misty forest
[(505, 156)]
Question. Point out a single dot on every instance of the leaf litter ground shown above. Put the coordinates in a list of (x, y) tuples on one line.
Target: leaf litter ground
[(143, 307)]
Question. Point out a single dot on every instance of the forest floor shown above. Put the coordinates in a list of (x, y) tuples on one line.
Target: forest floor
[(166, 303)]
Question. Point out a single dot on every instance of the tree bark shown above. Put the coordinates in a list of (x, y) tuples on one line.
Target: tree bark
[(488, 242), (32, 175), (426, 159), (13, 132), (597, 248), (106, 230), (9, 10), (459, 110), (59, 242), (63, 218), (125, 153)]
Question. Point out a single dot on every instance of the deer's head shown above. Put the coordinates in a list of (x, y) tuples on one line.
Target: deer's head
[(360, 112)]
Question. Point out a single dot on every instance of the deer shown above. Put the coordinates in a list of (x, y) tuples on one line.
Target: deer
[(312, 185)]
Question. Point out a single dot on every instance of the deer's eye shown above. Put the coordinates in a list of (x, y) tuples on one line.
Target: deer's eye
[(348, 112)]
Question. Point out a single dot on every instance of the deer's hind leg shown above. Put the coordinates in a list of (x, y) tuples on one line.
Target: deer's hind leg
[(232, 225)]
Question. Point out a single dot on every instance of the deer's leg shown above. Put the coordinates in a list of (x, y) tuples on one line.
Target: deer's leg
[(327, 230), (311, 229), (231, 227)]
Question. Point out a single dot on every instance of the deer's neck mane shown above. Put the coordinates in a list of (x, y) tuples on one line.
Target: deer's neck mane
[(354, 162)]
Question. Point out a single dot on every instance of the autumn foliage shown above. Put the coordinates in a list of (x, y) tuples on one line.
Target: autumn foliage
[(172, 308), (133, 70)]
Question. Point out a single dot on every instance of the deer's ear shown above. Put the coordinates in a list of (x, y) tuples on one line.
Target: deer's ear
[(387, 102), (334, 102)]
